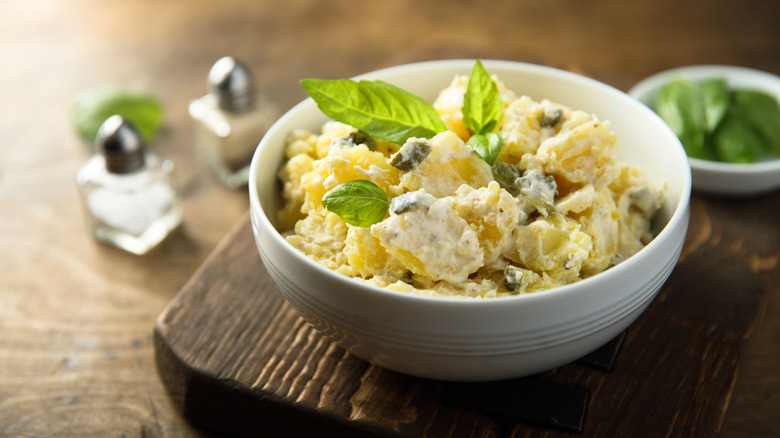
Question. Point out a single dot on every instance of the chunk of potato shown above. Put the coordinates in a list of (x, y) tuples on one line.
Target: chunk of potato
[(582, 155), (449, 165), (601, 221), (434, 242), (321, 236), (368, 257), (554, 245), (490, 211), (292, 192)]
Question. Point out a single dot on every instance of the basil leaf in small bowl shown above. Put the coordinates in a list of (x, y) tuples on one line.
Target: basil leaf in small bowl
[(735, 111)]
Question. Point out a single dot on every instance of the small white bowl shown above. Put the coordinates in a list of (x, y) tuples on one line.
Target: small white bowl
[(482, 339), (731, 179)]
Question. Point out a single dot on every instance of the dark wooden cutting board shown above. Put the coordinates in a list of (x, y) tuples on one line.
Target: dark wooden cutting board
[(237, 360)]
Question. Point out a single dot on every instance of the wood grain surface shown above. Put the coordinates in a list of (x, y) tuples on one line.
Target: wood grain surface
[(76, 317)]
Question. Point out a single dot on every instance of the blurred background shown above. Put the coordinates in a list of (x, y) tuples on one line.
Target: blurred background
[(76, 316)]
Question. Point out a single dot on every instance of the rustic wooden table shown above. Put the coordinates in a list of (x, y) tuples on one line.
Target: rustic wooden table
[(76, 317)]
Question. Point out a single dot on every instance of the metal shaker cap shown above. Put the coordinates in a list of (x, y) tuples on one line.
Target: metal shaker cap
[(121, 145), (231, 82)]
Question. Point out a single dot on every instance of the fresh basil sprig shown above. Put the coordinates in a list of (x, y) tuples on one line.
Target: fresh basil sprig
[(481, 114), (361, 203), (482, 103), (390, 113), (376, 107)]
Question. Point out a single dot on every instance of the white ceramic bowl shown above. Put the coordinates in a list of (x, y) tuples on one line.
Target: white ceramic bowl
[(482, 339), (731, 179)]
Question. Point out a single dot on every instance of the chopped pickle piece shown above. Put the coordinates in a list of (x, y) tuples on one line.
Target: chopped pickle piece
[(410, 201), (411, 154), (507, 174), (550, 117), (517, 279), (540, 191)]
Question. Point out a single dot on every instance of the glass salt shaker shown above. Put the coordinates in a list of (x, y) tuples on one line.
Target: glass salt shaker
[(127, 192), (230, 121)]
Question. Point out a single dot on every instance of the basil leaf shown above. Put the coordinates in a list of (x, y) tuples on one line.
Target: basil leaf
[(361, 203), (487, 146), (376, 107), (715, 123), (735, 140), (94, 106), (482, 102), (680, 105), (715, 98), (762, 111)]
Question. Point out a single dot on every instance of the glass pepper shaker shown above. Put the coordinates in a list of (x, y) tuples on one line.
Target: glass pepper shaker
[(127, 192), (230, 121)]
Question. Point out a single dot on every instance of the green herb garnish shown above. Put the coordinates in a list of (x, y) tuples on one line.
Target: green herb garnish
[(715, 99), (487, 146), (481, 114), (376, 107), (360, 203), (681, 106), (482, 103), (385, 111), (762, 112), (94, 106), (716, 123), (734, 141)]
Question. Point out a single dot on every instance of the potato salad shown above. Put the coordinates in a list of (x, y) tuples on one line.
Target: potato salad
[(551, 207)]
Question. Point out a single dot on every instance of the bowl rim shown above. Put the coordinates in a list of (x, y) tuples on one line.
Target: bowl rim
[(679, 214), (758, 79)]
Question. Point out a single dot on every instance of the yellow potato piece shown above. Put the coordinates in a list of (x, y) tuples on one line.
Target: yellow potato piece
[(601, 221), (520, 129), (637, 202), (292, 191), (554, 245), (449, 165), (321, 236), (581, 155), (344, 165), (330, 130), (300, 142), (368, 257), (490, 211), (433, 241)]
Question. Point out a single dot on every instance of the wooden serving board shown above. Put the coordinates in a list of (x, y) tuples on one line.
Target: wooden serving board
[(237, 360)]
